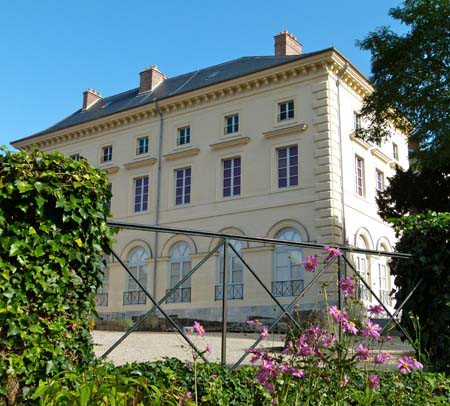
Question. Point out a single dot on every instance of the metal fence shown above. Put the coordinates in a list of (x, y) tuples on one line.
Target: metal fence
[(295, 289)]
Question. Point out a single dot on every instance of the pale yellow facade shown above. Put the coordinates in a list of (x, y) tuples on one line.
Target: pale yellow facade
[(313, 207)]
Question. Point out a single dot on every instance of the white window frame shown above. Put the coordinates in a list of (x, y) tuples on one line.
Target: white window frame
[(288, 111), (183, 190), (234, 123), (137, 261), (288, 166), (142, 200), (180, 260), (107, 154), (359, 178), (183, 130), (232, 185), (146, 145), (379, 180)]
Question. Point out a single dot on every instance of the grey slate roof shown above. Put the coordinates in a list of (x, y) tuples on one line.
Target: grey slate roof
[(173, 86)]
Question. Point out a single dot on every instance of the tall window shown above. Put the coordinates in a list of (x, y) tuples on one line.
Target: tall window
[(287, 166), (235, 289), (232, 124), (180, 265), (108, 203), (288, 272), (395, 150), (357, 121), (383, 272), (101, 297), (362, 267), (286, 110), (379, 180), (231, 177), (107, 153), (137, 264), (182, 186), (141, 194), (359, 176), (184, 135), (142, 145)]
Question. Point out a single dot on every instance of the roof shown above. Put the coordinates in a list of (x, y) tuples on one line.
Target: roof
[(172, 87)]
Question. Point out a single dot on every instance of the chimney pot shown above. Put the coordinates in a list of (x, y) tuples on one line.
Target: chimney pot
[(90, 96), (150, 77), (287, 44)]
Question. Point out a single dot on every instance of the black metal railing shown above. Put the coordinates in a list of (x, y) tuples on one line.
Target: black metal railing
[(385, 297), (134, 297), (234, 291), (180, 295), (287, 288), (101, 299), (363, 292)]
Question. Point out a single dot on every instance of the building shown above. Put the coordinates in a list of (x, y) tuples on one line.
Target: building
[(252, 146)]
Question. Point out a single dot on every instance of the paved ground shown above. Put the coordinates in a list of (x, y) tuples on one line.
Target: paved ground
[(145, 346)]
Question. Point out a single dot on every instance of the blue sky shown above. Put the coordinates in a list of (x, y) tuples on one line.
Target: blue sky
[(51, 51)]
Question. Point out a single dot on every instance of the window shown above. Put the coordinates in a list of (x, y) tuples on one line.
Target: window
[(287, 166), (288, 272), (362, 268), (395, 150), (75, 157), (107, 153), (182, 186), (108, 203), (141, 194), (231, 177), (180, 266), (101, 296), (142, 146), (286, 110), (380, 180), (232, 124), (235, 289), (137, 264), (359, 176), (357, 121), (184, 136)]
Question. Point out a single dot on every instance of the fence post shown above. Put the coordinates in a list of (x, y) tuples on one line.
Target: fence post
[(224, 302)]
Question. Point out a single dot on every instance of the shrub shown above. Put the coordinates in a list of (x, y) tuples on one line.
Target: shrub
[(53, 232)]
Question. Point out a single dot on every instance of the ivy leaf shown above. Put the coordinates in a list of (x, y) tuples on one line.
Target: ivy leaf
[(23, 186), (14, 249)]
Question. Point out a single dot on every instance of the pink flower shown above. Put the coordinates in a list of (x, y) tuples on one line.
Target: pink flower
[(257, 355), (213, 376), (335, 313), (362, 351), (208, 348), (375, 309), (265, 334), (344, 381), (374, 381), (381, 358), (347, 286), (408, 364), (289, 349), (297, 373), (310, 263), (189, 395), (388, 338), (349, 326), (199, 329), (332, 252), (371, 330)]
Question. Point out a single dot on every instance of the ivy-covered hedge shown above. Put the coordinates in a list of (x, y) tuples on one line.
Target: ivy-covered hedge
[(53, 231), (427, 237)]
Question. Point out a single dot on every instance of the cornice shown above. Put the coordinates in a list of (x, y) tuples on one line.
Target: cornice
[(185, 153), (285, 131), (140, 163), (111, 169), (381, 155), (329, 61), (360, 141), (230, 143)]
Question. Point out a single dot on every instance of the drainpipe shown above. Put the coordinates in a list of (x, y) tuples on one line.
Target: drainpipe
[(158, 196), (341, 167)]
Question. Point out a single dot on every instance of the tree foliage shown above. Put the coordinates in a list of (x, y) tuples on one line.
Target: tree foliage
[(427, 238), (53, 232), (411, 80)]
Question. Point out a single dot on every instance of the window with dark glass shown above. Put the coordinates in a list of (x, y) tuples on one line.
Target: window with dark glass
[(395, 150), (287, 166), (184, 136), (232, 124), (141, 194), (142, 146), (286, 110), (75, 157), (379, 180), (359, 176), (231, 177), (107, 153), (109, 200), (356, 121), (182, 186)]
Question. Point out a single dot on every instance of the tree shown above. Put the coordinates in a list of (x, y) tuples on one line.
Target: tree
[(411, 80)]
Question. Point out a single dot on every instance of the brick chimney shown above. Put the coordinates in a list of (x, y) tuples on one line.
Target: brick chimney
[(90, 96), (150, 78), (287, 44)]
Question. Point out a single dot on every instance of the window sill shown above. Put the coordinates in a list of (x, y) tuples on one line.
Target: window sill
[(182, 153)]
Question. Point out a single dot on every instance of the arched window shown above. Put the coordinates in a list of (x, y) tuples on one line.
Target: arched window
[(180, 264), (235, 288), (288, 268), (101, 297), (137, 264), (362, 266), (383, 278)]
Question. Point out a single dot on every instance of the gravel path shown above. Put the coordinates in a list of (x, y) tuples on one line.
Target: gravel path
[(146, 346)]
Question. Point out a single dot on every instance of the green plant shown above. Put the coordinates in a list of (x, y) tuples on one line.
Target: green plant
[(53, 232)]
